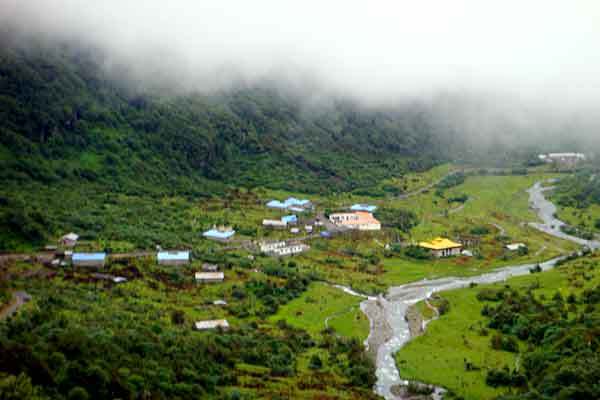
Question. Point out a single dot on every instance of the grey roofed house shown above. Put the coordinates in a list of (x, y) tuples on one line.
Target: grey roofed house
[(211, 324), (208, 277), (206, 267)]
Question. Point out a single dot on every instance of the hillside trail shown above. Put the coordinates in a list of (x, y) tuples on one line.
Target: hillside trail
[(425, 188), (388, 313), (19, 299)]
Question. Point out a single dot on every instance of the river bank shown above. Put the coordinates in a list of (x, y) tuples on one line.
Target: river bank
[(390, 313)]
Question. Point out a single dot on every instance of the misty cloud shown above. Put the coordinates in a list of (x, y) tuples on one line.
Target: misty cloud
[(528, 60)]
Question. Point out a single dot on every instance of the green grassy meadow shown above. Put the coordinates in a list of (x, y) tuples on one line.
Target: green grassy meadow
[(322, 302), (438, 357)]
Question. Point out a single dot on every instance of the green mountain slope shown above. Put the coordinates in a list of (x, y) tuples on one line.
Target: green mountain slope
[(62, 118)]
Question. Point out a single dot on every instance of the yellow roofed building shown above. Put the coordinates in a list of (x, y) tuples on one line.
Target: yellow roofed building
[(442, 247)]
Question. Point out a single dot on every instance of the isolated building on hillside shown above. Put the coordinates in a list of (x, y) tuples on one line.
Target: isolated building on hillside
[(363, 207), (221, 233), (208, 277), (360, 220), (516, 246), (211, 324), (69, 240), (89, 260), (568, 160), (173, 258), (442, 247)]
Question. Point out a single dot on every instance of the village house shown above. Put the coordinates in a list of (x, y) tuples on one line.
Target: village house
[(360, 220), (442, 247), (282, 248), (209, 277), (211, 324), (89, 260), (221, 233), (69, 240), (274, 223), (173, 258), (267, 247)]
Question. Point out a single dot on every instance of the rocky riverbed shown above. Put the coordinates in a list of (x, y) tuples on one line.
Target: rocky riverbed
[(393, 323)]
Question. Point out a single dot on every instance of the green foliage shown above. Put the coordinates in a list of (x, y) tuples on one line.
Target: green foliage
[(398, 218), (417, 252), (62, 120)]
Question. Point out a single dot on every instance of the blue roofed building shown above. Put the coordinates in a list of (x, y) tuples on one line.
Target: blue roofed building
[(173, 257), (222, 234), (289, 203), (289, 219), (363, 207), (90, 260)]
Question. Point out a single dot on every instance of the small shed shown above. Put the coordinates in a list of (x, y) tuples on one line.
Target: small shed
[(69, 240), (211, 324), (173, 258), (209, 277), (89, 260), (206, 267)]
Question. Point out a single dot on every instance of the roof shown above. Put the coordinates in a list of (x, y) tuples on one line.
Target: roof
[(440, 244), (173, 255), (290, 202), (515, 246), (275, 222), (289, 218), (363, 207), (356, 218), (89, 256), (70, 236), (215, 233), (201, 276), (212, 324)]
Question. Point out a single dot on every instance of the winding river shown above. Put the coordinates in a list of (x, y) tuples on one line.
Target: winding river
[(390, 330)]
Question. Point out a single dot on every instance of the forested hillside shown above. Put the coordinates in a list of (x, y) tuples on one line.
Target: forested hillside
[(62, 118)]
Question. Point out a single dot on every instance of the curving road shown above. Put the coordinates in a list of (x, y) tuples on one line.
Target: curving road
[(389, 311)]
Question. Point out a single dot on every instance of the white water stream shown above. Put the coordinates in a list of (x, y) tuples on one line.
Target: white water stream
[(395, 304)]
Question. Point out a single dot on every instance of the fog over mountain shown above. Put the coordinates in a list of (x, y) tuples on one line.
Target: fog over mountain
[(486, 69)]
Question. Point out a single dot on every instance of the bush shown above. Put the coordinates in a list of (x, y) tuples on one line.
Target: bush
[(417, 252)]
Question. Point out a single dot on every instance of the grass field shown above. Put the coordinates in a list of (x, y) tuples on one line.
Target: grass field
[(322, 303), (438, 357)]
